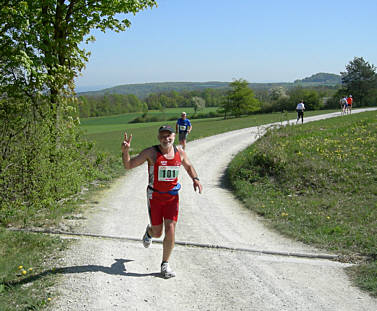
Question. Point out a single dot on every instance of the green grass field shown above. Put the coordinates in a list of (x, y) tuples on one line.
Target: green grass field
[(317, 183), (121, 122), (108, 132)]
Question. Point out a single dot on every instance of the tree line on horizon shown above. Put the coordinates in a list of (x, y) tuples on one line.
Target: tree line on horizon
[(359, 79), (110, 104), (271, 100)]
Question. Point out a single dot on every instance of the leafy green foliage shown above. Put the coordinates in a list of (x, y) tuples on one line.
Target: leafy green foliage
[(40, 40), (198, 103), (289, 101), (109, 104), (360, 80), (43, 157), (35, 174), (240, 100), (184, 98)]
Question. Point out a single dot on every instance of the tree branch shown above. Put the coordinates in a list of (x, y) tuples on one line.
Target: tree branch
[(70, 11)]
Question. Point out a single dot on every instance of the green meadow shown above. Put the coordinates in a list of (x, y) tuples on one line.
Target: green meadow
[(317, 183), (107, 132), (122, 121)]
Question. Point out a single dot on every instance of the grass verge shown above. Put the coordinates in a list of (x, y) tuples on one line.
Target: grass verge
[(26, 270), (317, 183)]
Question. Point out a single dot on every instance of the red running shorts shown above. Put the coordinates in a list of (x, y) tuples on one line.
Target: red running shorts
[(162, 206)]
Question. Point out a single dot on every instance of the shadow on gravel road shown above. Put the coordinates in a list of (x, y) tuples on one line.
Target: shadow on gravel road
[(117, 268), (139, 275)]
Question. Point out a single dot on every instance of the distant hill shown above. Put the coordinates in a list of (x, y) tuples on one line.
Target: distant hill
[(321, 78), (144, 89)]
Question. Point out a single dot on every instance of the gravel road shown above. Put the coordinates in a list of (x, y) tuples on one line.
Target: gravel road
[(111, 274)]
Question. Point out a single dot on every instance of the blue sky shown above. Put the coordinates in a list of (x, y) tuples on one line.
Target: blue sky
[(221, 40)]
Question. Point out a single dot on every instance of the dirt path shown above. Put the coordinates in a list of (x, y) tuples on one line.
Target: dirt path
[(110, 274)]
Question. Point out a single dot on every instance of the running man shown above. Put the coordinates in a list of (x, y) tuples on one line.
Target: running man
[(349, 103), (164, 161), (183, 127), (343, 105), (300, 111)]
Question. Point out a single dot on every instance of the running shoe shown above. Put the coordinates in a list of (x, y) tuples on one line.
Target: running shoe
[(147, 239), (166, 271)]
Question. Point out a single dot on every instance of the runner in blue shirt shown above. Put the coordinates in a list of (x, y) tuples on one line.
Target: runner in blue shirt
[(183, 127)]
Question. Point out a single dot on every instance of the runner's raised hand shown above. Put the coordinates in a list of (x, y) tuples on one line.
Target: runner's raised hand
[(126, 144)]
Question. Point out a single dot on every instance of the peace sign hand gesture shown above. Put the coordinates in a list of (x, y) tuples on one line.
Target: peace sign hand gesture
[(126, 144)]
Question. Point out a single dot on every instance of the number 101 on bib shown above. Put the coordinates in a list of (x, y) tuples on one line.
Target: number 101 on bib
[(167, 173)]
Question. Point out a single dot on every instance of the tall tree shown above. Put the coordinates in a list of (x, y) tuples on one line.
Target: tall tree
[(40, 51), (360, 80), (240, 99), (278, 92), (42, 157), (198, 103), (40, 41)]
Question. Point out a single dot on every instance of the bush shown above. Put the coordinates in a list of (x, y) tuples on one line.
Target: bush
[(144, 119), (211, 114), (41, 163)]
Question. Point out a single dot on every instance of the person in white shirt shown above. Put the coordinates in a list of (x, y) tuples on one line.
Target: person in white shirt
[(300, 111)]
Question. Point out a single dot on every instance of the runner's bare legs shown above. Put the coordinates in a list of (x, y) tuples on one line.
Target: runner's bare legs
[(169, 239), (155, 231), (183, 144)]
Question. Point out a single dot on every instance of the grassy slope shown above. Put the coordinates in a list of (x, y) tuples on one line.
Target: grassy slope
[(317, 183)]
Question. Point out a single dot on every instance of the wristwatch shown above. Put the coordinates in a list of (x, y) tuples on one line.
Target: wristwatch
[(197, 178)]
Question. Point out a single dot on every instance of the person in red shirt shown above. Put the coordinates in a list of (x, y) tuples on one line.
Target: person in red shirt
[(164, 161), (349, 103)]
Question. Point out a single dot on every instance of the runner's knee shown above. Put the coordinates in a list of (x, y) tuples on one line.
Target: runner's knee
[(169, 228), (156, 231)]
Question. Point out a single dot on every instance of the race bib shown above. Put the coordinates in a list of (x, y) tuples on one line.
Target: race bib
[(182, 127), (168, 173)]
